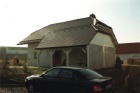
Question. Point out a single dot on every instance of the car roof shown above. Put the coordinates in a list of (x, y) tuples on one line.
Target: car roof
[(69, 67)]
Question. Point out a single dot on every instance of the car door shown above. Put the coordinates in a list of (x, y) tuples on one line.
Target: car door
[(49, 81), (66, 81)]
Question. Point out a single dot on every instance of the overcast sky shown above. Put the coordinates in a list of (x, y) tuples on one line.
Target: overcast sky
[(19, 18)]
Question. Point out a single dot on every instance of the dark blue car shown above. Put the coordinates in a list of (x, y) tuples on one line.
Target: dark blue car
[(69, 80)]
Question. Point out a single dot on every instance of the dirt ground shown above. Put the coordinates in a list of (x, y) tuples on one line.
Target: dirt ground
[(122, 89)]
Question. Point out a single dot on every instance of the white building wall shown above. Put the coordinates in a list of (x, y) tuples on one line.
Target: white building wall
[(31, 51), (123, 57), (77, 57), (44, 59), (101, 51), (103, 40), (95, 56)]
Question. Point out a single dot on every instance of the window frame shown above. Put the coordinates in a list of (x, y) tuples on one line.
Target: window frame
[(46, 73), (73, 76)]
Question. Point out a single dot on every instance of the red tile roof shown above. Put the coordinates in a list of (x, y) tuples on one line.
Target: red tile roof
[(128, 48)]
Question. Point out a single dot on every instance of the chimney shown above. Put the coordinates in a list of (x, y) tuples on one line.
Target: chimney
[(94, 18), (92, 15)]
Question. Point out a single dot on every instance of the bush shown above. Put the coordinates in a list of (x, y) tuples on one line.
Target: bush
[(118, 62), (4, 69), (26, 70), (14, 73)]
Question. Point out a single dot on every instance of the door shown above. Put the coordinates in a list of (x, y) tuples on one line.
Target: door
[(67, 81), (57, 58), (49, 81), (70, 82)]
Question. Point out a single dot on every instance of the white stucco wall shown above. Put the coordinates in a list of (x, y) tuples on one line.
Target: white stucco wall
[(101, 51), (31, 51), (44, 59), (76, 56), (103, 40)]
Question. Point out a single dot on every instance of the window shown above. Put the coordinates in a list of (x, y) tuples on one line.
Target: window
[(89, 74), (66, 73), (35, 55), (52, 73)]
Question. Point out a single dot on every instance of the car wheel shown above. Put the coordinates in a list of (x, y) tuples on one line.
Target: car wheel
[(31, 88)]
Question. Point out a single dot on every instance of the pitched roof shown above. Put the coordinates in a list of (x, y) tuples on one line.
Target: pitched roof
[(127, 48), (75, 36), (34, 37), (103, 24), (77, 32), (37, 36), (102, 27)]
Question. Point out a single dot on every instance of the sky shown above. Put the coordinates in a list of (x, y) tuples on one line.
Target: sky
[(19, 18)]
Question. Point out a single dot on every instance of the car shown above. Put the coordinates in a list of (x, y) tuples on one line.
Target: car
[(69, 80)]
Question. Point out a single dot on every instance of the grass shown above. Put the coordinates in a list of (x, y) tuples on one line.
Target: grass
[(36, 70), (32, 69), (16, 73)]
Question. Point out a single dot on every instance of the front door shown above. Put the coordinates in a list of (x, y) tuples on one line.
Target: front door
[(57, 58)]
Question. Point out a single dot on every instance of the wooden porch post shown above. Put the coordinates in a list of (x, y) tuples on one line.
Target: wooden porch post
[(104, 56), (87, 48), (39, 52), (83, 50), (67, 51), (51, 52)]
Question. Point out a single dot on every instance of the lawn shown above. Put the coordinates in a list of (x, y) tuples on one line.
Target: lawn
[(17, 74), (31, 69)]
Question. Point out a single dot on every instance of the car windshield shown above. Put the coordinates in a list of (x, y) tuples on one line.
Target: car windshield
[(89, 74)]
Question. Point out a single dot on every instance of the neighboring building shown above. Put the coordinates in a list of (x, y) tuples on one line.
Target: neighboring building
[(128, 50), (13, 54), (82, 42)]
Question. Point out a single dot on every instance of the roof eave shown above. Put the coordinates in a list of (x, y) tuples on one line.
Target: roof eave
[(29, 42), (43, 48)]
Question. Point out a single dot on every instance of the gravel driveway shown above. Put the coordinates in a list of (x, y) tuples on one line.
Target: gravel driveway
[(13, 90), (23, 90)]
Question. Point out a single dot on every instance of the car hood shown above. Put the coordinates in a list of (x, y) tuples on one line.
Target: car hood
[(33, 76)]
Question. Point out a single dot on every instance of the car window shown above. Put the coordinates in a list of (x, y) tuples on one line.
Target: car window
[(52, 73), (89, 74), (66, 73), (79, 76)]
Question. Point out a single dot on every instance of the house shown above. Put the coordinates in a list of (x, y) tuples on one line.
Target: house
[(128, 50), (13, 54), (85, 42)]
